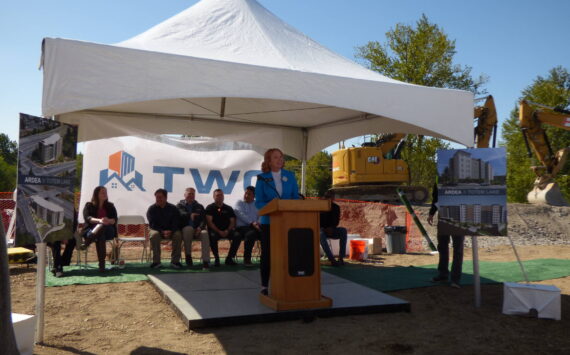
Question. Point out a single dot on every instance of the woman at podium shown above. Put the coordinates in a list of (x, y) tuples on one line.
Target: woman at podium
[(274, 182)]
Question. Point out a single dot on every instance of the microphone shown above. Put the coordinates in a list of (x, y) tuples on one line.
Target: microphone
[(264, 179), (267, 181)]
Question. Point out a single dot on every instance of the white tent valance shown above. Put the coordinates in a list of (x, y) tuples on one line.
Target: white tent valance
[(230, 69)]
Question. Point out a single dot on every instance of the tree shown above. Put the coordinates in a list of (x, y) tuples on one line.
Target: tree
[(78, 172), (554, 91), (420, 156), (420, 55), (519, 176), (8, 149), (319, 176), (7, 175)]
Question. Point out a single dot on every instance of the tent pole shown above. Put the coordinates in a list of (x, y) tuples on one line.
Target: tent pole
[(304, 162), (303, 174)]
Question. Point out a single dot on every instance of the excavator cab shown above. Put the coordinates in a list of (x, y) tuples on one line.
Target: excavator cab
[(374, 172)]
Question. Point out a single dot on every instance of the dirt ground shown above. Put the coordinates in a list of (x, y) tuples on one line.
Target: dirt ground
[(133, 318)]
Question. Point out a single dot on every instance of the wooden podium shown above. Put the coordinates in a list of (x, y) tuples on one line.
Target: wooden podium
[(295, 281)]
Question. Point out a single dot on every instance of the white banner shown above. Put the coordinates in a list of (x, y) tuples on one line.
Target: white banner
[(133, 168)]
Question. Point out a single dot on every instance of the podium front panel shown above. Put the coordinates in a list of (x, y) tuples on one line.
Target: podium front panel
[(301, 252), (286, 283)]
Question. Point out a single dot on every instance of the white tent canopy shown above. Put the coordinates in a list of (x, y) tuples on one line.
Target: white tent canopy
[(231, 69)]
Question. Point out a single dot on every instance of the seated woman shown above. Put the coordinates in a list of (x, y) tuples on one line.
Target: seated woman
[(100, 217)]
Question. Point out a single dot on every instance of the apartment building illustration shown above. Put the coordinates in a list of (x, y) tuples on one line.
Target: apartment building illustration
[(463, 167), (51, 148), (48, 211), (475, 214)]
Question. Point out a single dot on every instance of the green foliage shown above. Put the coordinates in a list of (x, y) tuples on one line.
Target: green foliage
[(8, 149), (319, 175), (7, 176), (8, 162), (420, 154), (70, 142), (519, 176), (420, 55), (554, 91), (78, 172)]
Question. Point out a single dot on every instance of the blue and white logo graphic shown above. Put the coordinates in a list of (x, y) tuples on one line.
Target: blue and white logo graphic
[(121, 172)]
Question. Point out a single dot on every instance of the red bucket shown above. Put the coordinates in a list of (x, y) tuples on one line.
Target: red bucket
[(358, 250)]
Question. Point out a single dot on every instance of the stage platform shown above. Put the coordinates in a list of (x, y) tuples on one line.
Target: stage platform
[(212, 299)]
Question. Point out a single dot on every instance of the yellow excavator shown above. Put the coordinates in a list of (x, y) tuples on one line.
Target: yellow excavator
[(532, 118), (374, 171)]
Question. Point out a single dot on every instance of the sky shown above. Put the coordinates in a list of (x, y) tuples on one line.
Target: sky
[(511, 42)]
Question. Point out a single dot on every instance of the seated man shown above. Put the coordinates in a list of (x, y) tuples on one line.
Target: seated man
[(59, 260), (247, 222), (164, 223), (192, 221), (221, 221), (330, 229)]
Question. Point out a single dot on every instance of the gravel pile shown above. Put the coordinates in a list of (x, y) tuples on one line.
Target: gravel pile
[(531, 225)]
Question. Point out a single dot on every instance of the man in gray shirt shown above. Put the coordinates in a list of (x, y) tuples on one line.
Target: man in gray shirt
[(247, 221)]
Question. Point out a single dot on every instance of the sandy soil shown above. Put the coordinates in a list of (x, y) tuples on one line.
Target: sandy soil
[(133, 318)]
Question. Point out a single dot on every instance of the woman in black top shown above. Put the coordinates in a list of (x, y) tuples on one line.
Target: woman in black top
[(100, 217)]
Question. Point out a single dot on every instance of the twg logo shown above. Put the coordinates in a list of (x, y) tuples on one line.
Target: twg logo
[(121, 172), (205, 187)]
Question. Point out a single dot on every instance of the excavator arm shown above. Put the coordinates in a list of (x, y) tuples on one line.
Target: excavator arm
[(486, 116), (388, 141), (531, 123)]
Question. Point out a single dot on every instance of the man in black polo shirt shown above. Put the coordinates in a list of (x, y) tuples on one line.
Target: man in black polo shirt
[(164, 223), (221, 221)]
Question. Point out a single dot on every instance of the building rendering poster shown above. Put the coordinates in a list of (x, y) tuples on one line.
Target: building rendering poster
[(46, 177), (472, 192)]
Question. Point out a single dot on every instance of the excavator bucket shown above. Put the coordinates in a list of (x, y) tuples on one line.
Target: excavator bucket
[(550, 195)]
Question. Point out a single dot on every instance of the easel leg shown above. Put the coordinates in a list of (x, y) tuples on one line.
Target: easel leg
[(476, 278)]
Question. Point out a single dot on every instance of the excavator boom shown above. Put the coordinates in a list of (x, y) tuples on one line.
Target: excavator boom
[(486, 116), (531, 122)]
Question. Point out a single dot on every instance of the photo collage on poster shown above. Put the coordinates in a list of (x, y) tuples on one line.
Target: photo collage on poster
[(46, 180)]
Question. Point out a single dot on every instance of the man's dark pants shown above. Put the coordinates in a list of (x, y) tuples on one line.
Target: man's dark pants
[(59, 260), (249, 235), (443, 249), (234, 239)]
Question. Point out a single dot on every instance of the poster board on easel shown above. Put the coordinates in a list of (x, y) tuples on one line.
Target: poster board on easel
[(472, 197)]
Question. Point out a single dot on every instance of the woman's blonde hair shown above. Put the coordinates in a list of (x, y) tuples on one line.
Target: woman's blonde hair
[(265, 167)]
